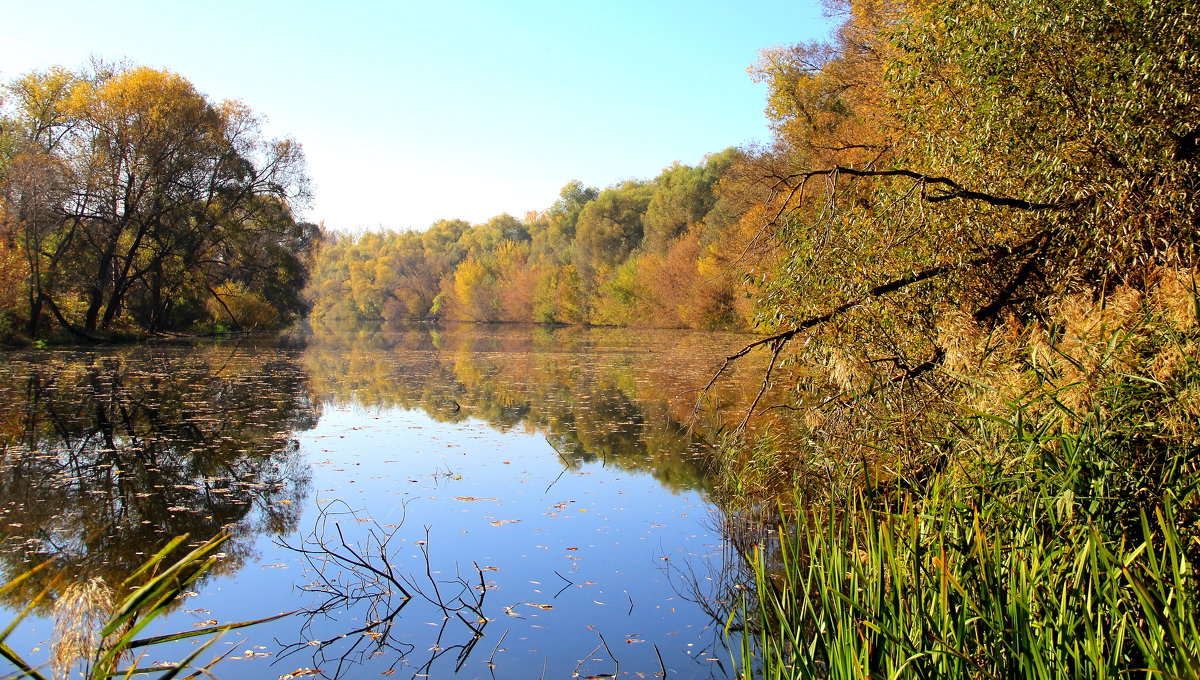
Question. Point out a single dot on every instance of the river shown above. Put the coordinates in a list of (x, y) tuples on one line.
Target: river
[(541, 498)]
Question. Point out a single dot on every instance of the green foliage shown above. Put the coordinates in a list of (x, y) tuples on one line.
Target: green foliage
[(110, 651), (557, 299), (608, 230), (1056, 543), (683, 196), (620, 298), (952, 592)]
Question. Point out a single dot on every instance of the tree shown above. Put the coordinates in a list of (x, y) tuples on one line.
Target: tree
[(946, 174), (683, 196), (608, 230), (555, 240), (136, 191)]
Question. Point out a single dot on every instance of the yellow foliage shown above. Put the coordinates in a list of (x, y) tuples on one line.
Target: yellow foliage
[(233, 304)]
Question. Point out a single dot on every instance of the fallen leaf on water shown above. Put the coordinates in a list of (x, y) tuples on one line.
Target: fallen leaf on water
[(469, 499), (539, 606), (501, 522)]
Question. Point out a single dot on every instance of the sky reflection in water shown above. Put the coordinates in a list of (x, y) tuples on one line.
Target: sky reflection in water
[(547, 465)]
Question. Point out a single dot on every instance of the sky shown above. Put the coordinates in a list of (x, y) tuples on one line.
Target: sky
[(410, 112)]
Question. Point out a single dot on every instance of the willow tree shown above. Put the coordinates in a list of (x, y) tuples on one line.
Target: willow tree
[(132, 190), (946, 169)]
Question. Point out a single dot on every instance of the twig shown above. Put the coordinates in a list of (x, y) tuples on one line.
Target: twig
[(566, 466), (582, 661), (616, 663), (492, 658), (569, 584), (661, 665)]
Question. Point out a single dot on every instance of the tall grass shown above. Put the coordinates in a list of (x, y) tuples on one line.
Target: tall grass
[(910, 595), (1059, 541)]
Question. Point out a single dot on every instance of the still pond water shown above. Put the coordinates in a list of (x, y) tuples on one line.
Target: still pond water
[(533, 491)]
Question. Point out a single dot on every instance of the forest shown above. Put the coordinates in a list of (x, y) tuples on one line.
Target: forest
[(970, 255)]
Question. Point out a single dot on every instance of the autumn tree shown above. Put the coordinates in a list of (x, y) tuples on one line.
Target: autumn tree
[(608, 230), (135, 193), (958, 170)]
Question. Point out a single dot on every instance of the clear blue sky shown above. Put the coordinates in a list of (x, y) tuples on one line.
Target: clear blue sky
[(410, 112)]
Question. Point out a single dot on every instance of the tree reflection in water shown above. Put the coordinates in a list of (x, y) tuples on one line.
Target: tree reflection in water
[(107, 455), (619, 396)]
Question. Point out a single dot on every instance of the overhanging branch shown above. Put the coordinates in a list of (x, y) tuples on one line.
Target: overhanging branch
[(952, 189), (779, 340)]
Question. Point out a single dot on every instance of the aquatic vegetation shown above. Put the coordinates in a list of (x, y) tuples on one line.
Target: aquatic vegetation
[(98, 634), (1057, 539)]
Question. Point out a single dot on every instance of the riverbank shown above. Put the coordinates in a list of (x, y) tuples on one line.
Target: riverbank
[(1050, 532)]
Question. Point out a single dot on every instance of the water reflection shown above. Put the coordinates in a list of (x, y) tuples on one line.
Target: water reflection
[(106, 455), (623, 397)]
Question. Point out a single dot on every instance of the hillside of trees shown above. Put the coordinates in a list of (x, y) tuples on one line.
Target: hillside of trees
[(130, 202)]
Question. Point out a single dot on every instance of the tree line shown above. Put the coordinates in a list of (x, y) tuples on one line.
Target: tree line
[(131, 202), (919, 161), (638, 250)]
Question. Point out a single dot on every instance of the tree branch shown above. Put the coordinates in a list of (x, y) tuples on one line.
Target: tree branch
[(954, 190), (778, 340)]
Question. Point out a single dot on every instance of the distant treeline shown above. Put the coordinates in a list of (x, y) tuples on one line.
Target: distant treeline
[(661, 252), (130, 202)]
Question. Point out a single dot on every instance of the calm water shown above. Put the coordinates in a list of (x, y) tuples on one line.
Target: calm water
[(533, 491)]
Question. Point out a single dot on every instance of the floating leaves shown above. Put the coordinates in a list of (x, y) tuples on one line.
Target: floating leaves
[(300, 673)]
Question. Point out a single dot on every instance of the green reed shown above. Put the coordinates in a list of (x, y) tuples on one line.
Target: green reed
[(113, 648), (1055, 544)]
